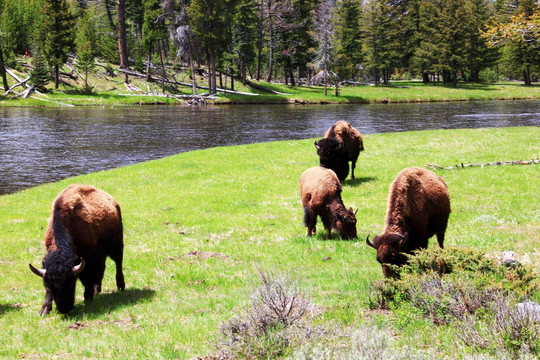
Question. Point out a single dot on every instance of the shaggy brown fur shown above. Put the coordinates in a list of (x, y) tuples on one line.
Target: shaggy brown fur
[(320, 190), (418, 208), (351, 139), (84, 228)]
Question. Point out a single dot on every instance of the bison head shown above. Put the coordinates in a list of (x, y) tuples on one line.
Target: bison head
[(346, 222), (390, 249), (59, 277), (332, 155)]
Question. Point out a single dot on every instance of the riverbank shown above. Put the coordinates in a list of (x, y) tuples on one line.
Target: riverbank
[(200, 224), (108, 89)]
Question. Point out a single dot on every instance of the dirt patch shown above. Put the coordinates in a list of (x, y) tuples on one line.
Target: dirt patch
[(126, 323), (204, 255)]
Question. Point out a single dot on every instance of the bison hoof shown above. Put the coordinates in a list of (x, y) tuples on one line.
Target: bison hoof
[(45, 310)]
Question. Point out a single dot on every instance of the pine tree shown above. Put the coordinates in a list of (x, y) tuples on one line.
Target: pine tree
[(153, 30), (57, 34), (244, 32), (348, 38), (40, 74), (86, 45)]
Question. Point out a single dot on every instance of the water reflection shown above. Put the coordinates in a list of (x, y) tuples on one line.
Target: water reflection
[(39, 145)]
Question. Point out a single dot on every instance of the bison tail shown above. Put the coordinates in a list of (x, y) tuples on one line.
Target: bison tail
[(307, 216)]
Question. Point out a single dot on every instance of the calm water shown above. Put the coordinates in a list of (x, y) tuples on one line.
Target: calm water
[(39, 145)]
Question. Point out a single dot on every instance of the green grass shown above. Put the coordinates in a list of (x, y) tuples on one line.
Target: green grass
[(243, 203), (110, 90)]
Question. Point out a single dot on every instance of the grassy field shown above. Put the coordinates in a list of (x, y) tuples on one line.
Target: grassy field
[(199, 226), (109, 90)]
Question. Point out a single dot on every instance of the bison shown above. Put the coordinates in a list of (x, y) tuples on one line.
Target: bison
[(350, 138), (418, 207), (84, 228), (333, 156), (320, 190)]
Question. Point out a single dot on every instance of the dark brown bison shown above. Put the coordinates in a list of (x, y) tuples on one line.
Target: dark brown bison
[(350, 138), (333, 156), (84, 228), (418, 208), (320, 190)]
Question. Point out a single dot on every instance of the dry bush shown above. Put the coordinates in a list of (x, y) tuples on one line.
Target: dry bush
[(508, 327), (262, 330)]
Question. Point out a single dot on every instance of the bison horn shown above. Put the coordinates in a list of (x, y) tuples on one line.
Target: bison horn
[(38, 272), (404, 240), (355, 211), (316, 144), (370, 243), (77, 269)]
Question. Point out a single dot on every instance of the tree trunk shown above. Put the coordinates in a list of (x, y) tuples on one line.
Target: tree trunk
[(122, 43), (148, 62), (214, 72), (209, 72), (109, 15), (271, 48), (3, 70), (56, 76), (290, 71), (260, 42), (527, 76)]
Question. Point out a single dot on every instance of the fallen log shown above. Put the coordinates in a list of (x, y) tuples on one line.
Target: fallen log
[(263, 88), (462, 165), (23, 82), (153, 78)]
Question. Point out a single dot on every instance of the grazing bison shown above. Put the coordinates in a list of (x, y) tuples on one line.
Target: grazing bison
[(350, 138), (333, 156), (84, 228), (320, 190), (418, 207)]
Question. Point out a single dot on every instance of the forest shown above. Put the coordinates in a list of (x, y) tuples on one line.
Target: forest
[(293, 42)]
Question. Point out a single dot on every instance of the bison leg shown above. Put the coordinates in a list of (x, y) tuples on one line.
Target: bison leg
[(120, 284), (440, 238), (118, 256), (91, 277), (47, 303), (310, 220), (327, 225)]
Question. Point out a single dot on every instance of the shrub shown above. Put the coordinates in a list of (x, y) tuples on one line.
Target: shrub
[(470, 291), (263, 329)]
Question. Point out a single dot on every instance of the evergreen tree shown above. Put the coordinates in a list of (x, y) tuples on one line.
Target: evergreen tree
[(58, 34), (348, 38), (426, 52), (301, 39), (244, 32), (478, 55), (153, 30), (451, 37), (40, 74), (86, 45), (209, 21), (376, 30)]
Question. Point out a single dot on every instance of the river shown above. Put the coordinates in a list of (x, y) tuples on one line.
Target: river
[(40, 145)]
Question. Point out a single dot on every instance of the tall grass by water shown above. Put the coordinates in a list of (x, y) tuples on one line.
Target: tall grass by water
[(200, 227)]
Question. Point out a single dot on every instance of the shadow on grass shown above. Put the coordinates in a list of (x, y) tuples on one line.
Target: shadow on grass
[(360, 180), (107, 302), (5, 308)]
